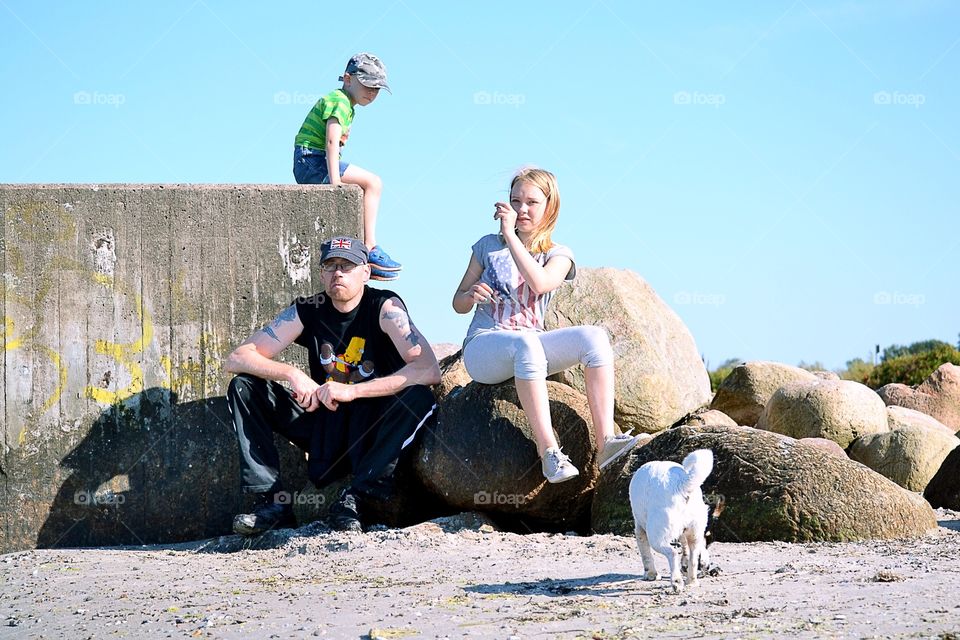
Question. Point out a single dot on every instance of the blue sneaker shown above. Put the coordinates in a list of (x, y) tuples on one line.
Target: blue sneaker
[(379, 274), (382, 261)]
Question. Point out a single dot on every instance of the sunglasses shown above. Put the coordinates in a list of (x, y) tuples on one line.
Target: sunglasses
[(343, 267)]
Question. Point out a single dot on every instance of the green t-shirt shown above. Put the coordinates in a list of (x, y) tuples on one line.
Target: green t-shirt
[(313, 131)]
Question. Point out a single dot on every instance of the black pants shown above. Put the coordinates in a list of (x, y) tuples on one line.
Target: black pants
[(363, 437)]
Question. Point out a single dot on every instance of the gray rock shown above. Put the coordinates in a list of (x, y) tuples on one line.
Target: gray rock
[(937, 396), (452, 375), (660, 375), (743, 394), (909, 455), (481, 455), (899, 417), (444, 349), (826, 375), (943, 490), (709, 418), (775, 488), (827, 446), (839, 410)]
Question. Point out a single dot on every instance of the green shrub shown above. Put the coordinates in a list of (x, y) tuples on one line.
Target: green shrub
[(858, 370), (897, 350), (912, 369), (717, 375)]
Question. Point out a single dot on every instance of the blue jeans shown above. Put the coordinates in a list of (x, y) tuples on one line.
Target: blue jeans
[(310, 166)]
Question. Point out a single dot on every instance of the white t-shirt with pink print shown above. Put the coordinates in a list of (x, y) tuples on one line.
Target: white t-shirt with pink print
[(515, 306)]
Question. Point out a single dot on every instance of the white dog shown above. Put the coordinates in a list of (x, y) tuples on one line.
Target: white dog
[(668, 509)]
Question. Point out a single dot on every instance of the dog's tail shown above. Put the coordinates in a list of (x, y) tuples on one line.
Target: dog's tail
[(698, 466)]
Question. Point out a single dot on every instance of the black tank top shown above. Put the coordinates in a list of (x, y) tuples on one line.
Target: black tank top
[(347, 347)]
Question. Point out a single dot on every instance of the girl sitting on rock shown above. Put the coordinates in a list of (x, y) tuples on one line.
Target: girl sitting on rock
[(509, 282)]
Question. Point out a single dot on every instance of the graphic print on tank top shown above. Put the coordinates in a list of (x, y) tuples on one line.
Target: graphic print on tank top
[(347, 367)]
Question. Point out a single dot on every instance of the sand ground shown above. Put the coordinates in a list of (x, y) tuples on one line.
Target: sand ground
[(437, 581)]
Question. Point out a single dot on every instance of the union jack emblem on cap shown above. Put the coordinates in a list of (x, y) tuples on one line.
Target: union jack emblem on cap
[(346, 247)]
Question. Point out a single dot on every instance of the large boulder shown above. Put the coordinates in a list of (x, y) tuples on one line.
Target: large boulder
[(775, 488), (480, 455), (899, 417), (444, 350), (747, 389), (827, 446), (660, 375), (452, 375), (826, 375), (943, 490), (839, 410), (937, 396), (909, 455), (708, 418)]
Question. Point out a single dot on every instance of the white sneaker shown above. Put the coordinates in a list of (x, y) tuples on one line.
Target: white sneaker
[(557, 466), (614, 448)]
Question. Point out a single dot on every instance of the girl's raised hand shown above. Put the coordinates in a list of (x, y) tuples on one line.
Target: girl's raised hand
[(507, 217)]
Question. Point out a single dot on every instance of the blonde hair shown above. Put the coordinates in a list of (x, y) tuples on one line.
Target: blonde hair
[(547, 182)]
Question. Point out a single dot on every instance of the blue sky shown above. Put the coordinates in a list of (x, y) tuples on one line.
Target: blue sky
[(784, 174)]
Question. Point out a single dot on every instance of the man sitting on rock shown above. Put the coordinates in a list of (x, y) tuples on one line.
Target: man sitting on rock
[(363, 402)]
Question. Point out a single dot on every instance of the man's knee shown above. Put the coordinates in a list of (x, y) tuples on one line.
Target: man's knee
[(418, 397), (242, 386)]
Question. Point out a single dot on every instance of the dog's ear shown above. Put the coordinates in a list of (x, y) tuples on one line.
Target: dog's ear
[(719, 506)]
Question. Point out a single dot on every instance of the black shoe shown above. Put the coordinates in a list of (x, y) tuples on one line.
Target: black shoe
[(343, 514), (265, 517)]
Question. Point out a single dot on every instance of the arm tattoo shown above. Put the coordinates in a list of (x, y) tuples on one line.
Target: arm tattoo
[(402, 321), (399, 318), (414, 336), (287, 315)]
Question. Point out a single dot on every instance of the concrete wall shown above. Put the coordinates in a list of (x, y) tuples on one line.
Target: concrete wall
[(118, 304)]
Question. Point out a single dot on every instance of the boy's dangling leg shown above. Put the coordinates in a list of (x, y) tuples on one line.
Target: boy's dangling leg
[(383, 267)]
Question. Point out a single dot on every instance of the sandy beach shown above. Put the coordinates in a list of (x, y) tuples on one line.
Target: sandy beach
[(475, 582)]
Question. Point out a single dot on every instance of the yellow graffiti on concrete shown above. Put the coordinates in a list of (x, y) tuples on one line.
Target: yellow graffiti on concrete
[(195, 377), (18, 343), (123, 354)]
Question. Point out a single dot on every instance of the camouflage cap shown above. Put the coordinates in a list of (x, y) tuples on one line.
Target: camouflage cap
[(369, 70)]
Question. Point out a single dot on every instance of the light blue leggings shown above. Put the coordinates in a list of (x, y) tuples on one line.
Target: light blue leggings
[(494, 356)]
